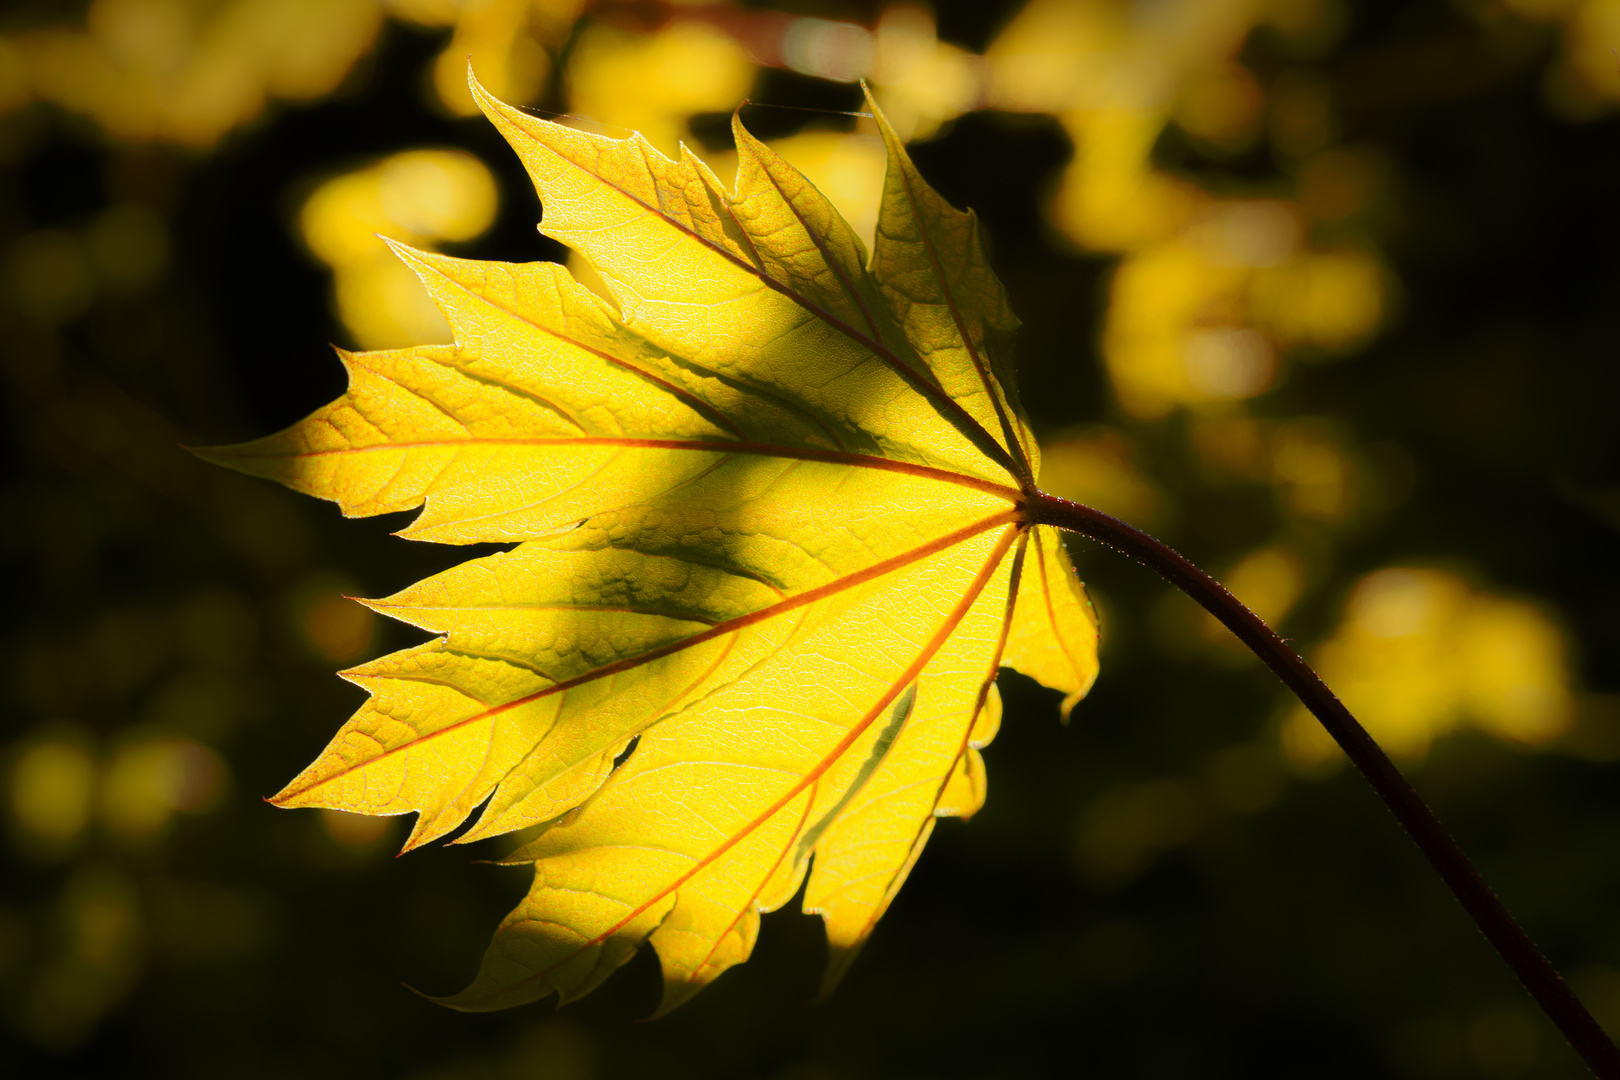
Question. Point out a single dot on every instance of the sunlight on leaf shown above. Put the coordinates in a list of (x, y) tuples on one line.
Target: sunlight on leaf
[(846, 167), (768, 508)]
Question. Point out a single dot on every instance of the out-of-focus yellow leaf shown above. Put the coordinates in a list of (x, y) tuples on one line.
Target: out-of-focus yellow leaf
[(189, 71), (923, 81), (1213, 291), (422, 197), (1267, 581), (654, 84), (173, 71), (51, 785), (1421, 653), (768, 501), (507, 40), (148, 781)]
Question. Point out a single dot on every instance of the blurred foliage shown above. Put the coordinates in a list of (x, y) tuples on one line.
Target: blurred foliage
[(419, 197), (1320, 292), (1418, 653)]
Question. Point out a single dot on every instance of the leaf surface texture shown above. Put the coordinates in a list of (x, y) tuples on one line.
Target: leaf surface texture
[(767, 509)]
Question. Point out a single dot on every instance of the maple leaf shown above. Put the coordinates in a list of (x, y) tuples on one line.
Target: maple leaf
[(769, 509)]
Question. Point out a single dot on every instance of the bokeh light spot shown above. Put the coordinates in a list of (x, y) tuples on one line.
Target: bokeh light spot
[(1227, 362), (52, 787), (418, 197), (148, 781), (1421, 652)]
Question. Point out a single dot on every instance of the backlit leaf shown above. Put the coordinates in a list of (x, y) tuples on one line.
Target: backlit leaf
[(768, 515)]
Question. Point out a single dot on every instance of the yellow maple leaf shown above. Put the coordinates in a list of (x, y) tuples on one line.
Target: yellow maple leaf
[(770, 517)]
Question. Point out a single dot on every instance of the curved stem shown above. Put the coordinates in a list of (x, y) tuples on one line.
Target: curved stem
[(1493, 919)]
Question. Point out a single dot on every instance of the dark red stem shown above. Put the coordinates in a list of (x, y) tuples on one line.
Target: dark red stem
[(1493, 919)]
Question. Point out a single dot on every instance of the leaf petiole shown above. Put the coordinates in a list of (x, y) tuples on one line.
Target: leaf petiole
[(1494, 920)]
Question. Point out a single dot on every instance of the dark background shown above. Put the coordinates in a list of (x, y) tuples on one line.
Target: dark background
[(1306, 940)]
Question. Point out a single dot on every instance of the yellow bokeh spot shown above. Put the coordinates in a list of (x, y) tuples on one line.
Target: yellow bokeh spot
[(1057, 54), (14, 89), (1306, 26), (341, 218), (1517, 680), (425, 12), (1154, 296), (1210, 290), (1250, 233), (1096, 469), (1314, 476), (921, 81), (1331, 300), (1268, 582), (437, 194), (174, 71), (419, 197), (1202, 302), (839, 51), (1591, 29), (1420, 653), (52, 788), (1174, 333), (1227, 362), (148, 781), (654, 84), (1110, 198), (502, 41), (384, 306)]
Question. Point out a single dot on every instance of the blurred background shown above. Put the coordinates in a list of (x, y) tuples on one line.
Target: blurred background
[(1323, 293)]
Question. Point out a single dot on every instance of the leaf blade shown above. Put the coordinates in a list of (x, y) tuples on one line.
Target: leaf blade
[(770, 528), (627, 196)]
